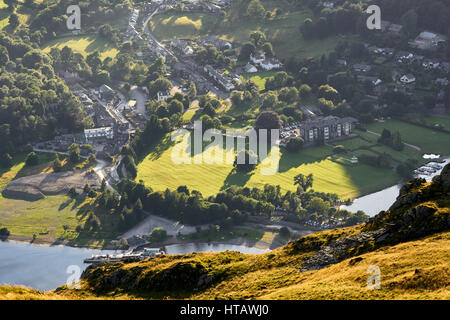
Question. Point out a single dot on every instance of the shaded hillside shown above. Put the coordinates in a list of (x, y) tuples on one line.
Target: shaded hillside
[(410, 243)]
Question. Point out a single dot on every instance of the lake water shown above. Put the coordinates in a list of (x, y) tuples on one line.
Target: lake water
[(45, 267), (373, 203)]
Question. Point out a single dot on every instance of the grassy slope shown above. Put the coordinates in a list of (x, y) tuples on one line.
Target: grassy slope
[(282, 31), (330, 175), (84, 45)]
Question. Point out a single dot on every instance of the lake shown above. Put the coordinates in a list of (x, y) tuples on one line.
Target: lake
[(45, 267), (373, 203)]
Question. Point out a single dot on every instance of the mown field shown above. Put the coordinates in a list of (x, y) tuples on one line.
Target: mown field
[(259, 78), (430, 141), (331, 174), (84, 44), (283, 31)]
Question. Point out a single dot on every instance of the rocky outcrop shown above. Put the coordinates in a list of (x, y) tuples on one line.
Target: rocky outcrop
[(184, 275), (415, 214)]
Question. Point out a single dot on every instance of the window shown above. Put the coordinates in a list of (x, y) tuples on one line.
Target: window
[(316, 133), (347, 128), (339, 130), (326, 133), (311, 135)]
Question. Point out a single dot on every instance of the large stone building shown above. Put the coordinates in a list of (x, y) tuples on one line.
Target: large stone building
[(320, 129)]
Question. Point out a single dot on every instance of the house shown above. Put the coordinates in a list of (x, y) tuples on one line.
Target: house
[(220, 44), (328, 4), (374, 80), (341, 62), (427, 40), (430, 64), (391, 28), (218, 78), (407, 79), (257, 58), (442, 82), (249, 68), (99, 133), (163, 95), (182, 46), (362, 68), (106, 93), (271, 64)]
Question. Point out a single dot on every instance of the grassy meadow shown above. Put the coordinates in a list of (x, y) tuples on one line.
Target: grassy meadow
[(331, 174), (282, 30), (84, 44)]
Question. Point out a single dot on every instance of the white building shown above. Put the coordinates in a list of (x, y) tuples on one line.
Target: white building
[(407, 79), (105, 132), (163, 95)]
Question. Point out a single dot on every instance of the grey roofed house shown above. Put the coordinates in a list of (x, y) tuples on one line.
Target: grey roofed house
[(220, 44), (106, 92), (427, 40), (362, 67)]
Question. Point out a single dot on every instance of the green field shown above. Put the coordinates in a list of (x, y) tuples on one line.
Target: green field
[(259, 78), (282, 31), (442, 120), (50, 219), (330, 175), (84, 44), (428, 140)]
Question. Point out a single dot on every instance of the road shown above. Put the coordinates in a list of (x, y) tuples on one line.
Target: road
[(406, 144)]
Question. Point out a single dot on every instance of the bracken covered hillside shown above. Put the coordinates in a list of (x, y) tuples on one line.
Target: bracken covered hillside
[(410, 243)]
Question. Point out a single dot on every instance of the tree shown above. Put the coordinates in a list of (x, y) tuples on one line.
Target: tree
[(268, 120), (247, 50), (295, 144), (268, 49), (284, 232), (57, 165), (6, 160), (305, 91), (4, 232), (303, 181), (32, 159), (14, 20), (255, 9), (74, 153), (258, 38), (158, 235)]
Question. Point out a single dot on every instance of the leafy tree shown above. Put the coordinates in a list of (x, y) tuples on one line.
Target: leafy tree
[(158, 235), (74, 153), (268, 120), (258, 38), (255, 9), (303, 181), (32, 159), (6, 160), (295, 144), (14, 21)]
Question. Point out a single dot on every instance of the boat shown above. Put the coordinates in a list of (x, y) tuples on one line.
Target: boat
[(125, 257)]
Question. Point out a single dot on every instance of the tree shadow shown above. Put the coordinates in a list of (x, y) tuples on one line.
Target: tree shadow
[(236, 178)]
